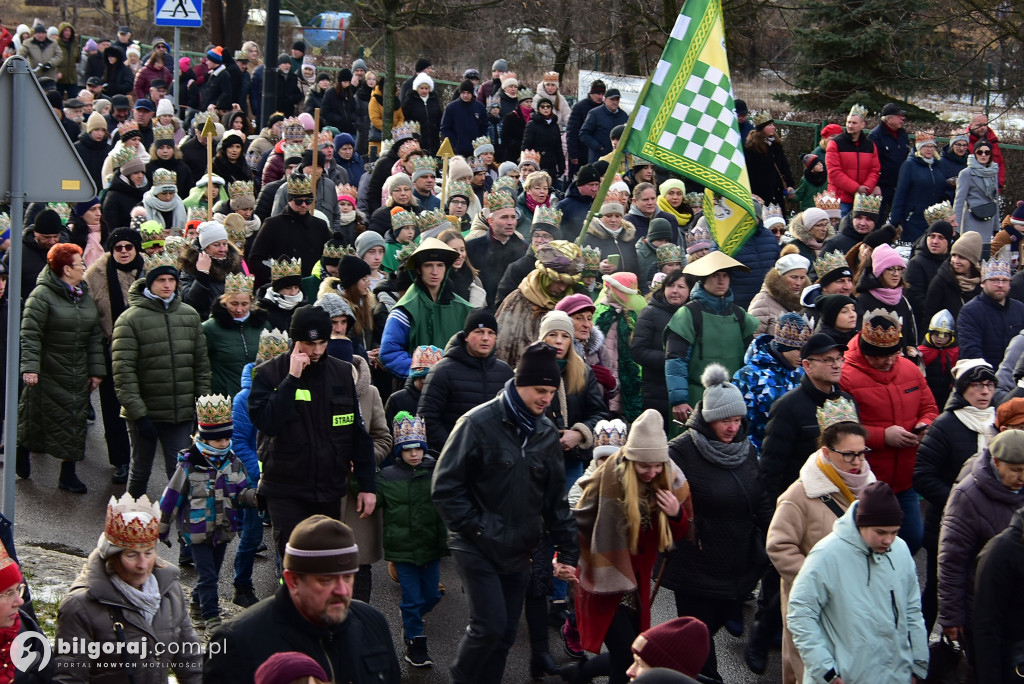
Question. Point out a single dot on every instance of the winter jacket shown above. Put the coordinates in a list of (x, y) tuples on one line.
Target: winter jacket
[(159, 358), (574, 208), (648, 349), (179, 167), (291, 235), (43, 58), (868, 302), (897, 397), (339, 109), (405, 399), (455, 385), (998, 629), (71, 54), (595, 133), (575, 149), (354, 167), (764, 378), (985, 327), (845, 239), (921, 270), (243, 434), (401, 335), (893, 149), (759, 253), (545, 136), (642, 223), (773, 300), (497, 492), (463, 122), (951, 165), (93, 155), (33, 261), (623, 244), (514, 274), (119, 201), (428, 114), (851, 164), (848, 601), (513, 127), (84, 615), (62, 343), (944, 293), (99, 290), (579, 411), (360, 647), (769, 172), (326, 203), (491, 258), (920, 186), (231, 345), (971, 192), (145, 77), (200, 290), (997, 152), (726, 557), (375, 110), (413, 531), (120, 79)]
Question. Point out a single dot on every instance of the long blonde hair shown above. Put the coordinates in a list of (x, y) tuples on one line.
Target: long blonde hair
[(631, 502), (575, 372)]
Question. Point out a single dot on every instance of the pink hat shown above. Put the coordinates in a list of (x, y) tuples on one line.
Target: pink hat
[(573, 304), (184, 63), (883, 257), (307, 121)]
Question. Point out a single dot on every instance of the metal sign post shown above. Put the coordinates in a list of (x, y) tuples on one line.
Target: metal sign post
[(178, 13)]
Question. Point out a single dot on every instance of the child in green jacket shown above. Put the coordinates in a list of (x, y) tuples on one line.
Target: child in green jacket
[(814, 181)]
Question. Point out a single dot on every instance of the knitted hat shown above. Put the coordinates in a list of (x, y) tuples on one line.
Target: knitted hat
[(659, 229), (968, 246), (813, 216), (810, 160), (47, 223), (587, 174), (791, 262), (829, 306), (575, 303), (336, 306), (884, 235), (215, 54), (556, 320), (879, 507), (681, 644), (287, 666), (1010, 413), (10, 573), (213, 416), (538, 365), (310, 324), (481, 145), (351, 270), (722, 399), (130, 525), (210, 232), (831, 267), (321, 546), (401, 180), (124, 234), (366, 241), (610, 436), (883, 257), (424, 357), (966, 371), (479, 318), (421, 79), (95, 121), (791, 332), (1008, 446), (995, 268), (880, 333), (410, 433), (647, 442)]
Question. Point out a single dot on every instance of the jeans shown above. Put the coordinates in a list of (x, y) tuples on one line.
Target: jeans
[(573, 472), (845, 208), (419, 594), (173, 437), (495, 603), (115, 431), (208, 559), (912, 530), (248, 542), (287, 513)]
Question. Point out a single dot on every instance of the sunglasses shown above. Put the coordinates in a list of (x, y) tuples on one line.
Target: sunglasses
[(982, 153), (778, 231), (124, 248), (303, 200)]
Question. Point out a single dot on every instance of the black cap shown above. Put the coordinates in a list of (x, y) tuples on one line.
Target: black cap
[(48, 223), (587, 174), (310, 324), (120, 102), (830, 305), (479, 318), (94, 81), (741, 107), (893, 108), (73, 103), (819, 344), (124, 29), (538, 365), (158, 83), (611, 93)]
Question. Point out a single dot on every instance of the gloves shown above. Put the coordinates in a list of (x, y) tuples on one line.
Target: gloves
[(604, 376), (166, 541), (146, 429)]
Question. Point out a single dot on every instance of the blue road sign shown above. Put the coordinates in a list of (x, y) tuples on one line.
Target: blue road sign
[(181, 13)]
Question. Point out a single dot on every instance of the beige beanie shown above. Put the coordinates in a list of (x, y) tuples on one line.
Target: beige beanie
[(96, 120), (647, 442), (968, 245), (556, 320)]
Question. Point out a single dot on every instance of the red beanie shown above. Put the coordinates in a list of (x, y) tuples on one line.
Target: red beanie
[(681, 644), (287, 666), (10, 573)]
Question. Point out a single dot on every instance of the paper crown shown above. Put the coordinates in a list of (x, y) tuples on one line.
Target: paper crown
[(547, 215), (425, 356), (477, 165), (858, 110), (461, 188), (199, 120), (772, 211), (591, 261), (123, 156), (173, 246), (63, 210), (550, 77), (5, 222), (239, 189), (669, 254), (403, 255), (300, 185), (506, 184), (695, 200), (272, 343), (325, 139), (617, 197), (405, 131), (235, 225), (867, 204), (792, 330), (410, 431), (880, 329), (835, 411), (165, 177), (498, 200), (239, 283), (762, 117), (830, 261), (924, 138), (347, 190), (195, 214), (133, 525), (530, 156), (995, 268), (401, 217), (481, 141), (285, 268), (432, 218), (697, 238), (828, 203), (292, 150), (292, 129), (333, 250), (943, 211), (127, 128), (421, 164), (610, 433), (160, 259), (213, 410), (162, 133)]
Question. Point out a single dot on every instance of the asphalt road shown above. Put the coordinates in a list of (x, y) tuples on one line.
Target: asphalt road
[(55, 519)]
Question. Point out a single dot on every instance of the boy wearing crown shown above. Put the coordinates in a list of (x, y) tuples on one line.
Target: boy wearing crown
[(208, 487), (852, 165)]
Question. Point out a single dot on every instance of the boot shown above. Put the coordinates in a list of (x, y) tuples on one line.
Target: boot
[(245, 597), (68, 480), (120, 475), (543, 664), (22, 464), (416, 652)]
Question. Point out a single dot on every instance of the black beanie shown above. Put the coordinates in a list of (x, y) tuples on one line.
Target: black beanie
[(659, 229), (885, 234), (48, 223), (466, 86), (310, 324), (351, 270), (124, 235), (829, 277), (479, 318), (299, 45), (878, 507), (344, 75), (829, 307), (154, 273), (943, 228), (422, 63), (538, 365)]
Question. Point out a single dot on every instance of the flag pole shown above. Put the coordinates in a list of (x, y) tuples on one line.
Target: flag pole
[(617, 154), (316, 149)]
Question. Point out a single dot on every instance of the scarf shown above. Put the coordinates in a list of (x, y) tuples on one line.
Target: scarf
[(516, 410), (817, 179), (812, 243), (7, 635), (146, 600), (682, 217), (75, 292), (888, 295), (729, 456), (609, 230), (850, 485), (631, 395), (989, 175), (149, 295), (156, 207), (284, 302), (347, 217), (128, 182), (966, 283), (532, 205), (115, 293), (93, 248), (978, 420), (535, 289)]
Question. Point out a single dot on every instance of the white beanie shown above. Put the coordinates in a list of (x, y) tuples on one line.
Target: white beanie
[(422, 78), (210, 232), (164, 107), (813, 216), (556, 320), (791, 262)]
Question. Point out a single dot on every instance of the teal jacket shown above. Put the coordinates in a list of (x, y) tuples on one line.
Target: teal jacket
[(413, 531), (858, 612)]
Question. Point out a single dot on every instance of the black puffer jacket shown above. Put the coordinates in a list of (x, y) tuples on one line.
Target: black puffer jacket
[(179, 167), (944, 293), (546, 137), (998, 605), (514, 274), (648, 349), (921, 270), (428, 114), (119, 201), (584, 409), (93, 155), (405, 399), (459, 382), (198, 289), (33, 261), (731, 517)]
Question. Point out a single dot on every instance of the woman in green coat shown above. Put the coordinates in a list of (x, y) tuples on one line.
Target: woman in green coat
[(61, 363), (233, 334)]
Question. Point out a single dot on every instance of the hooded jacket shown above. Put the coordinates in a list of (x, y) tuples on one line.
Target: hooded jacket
[(998, 629), (764, 378), (623, 244), (920, 186), (231, 345), (93, 155), (848, 601), (71, 53), (428, 114), (120, 79)]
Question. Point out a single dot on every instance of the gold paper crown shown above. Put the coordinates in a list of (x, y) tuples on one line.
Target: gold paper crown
[(300, 185), (406, 131), (325, 139), (333, 250), (165, 177), (409, 429), (461, 188), (506, 184), (173, 245), (123, 156), (272, 343), (924, 138), (858, 110), (133, 525), (63, 210), (835, 411), (403, 255), (199, 120), (826, 201), (292, 150), (160, 259), (401, 217), (5, 222), (530, 156), (830, 261), (881, 335), (421, 164), (235, 225), (870, 204), (430, 219), (695, 200), (499, 199), (163, 132), (547, 215), (285, 268), (943, 211), (477, 165), (307, 141), (292, 129), (669, 254), (591, 261), (550, 77), (792, 330), (762, 117), (698, 235), (240, 189), (481, 141), (349, 190), (128, 126), (618, 197), (213, 409), (195, 214), (239, 283)]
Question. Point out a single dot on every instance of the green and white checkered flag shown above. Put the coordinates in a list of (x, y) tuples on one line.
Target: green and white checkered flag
[(687, 122)]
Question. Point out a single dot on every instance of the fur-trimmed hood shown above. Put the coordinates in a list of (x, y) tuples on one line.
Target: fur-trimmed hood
[(803, 233), (816, 484), (232, 263), (776, 288), (219, 312), (597, 229)]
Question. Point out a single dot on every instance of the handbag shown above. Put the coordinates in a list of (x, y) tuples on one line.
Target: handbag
[(983, 212), (947, 663)]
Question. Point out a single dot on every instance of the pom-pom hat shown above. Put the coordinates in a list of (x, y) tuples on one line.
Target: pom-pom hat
[(722, 399)]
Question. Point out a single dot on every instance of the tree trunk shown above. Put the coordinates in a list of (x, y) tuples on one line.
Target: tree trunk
[(387, 92), (235, 15), (564, 40), (216, 22)]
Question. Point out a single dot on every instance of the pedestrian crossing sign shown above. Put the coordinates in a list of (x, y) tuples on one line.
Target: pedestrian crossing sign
[(181, 13)]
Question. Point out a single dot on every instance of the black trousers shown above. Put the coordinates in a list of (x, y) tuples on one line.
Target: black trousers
[(288, 513), (115, 430), (619, 639), (713, 612)]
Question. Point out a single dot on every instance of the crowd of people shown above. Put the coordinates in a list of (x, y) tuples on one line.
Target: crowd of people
[(572, 399)]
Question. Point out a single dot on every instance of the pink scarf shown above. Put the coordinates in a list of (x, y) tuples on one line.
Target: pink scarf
[(888, 295), (93, 247), (532, 205)]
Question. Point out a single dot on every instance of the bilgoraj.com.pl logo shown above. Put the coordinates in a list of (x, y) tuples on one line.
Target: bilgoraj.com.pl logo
[(27, 656)]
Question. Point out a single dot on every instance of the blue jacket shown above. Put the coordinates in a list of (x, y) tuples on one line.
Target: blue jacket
[(858, 612), (892, 152), (920, 186), (596, 131), (984, 327), (764, 378), (574, 208), (573, 147), (951, 166), (243, 434), (759, 253), (463, 122), (355, 166)]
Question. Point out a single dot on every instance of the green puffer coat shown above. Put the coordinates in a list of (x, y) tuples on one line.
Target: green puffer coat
[(230, 346), (61, 341), (413, 531), (159, 359)]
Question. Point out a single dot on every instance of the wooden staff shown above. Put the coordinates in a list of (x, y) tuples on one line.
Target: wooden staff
[(209, 132), (316, 150)]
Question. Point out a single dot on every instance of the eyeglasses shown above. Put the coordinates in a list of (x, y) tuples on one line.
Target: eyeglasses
[(303, 200), (830, 361), (460, 202), (17, 591), (982, 385), (851, 456), (778, 231), (896, 269), (126, 247)]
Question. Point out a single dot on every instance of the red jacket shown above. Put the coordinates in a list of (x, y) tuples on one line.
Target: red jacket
[(897, 397), (997, 154), (850, 165)]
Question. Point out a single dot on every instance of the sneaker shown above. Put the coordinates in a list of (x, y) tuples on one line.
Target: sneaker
[(571, 642), (416, 652), (212, 624), (245, 597), (120, 475)]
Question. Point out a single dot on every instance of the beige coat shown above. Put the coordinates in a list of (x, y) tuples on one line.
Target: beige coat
[(368, 531), (771, 302), (801, 520), (99, 290)]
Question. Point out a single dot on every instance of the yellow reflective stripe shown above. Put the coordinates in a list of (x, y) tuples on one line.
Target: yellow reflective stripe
[(303, 395), (343, 419)]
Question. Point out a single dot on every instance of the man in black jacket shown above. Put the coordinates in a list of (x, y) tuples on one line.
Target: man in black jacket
[(578, 154), (36, 241), (499, 482), (892, 145), (312, 613), (295, 232), (311, 434), (492, 253)]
